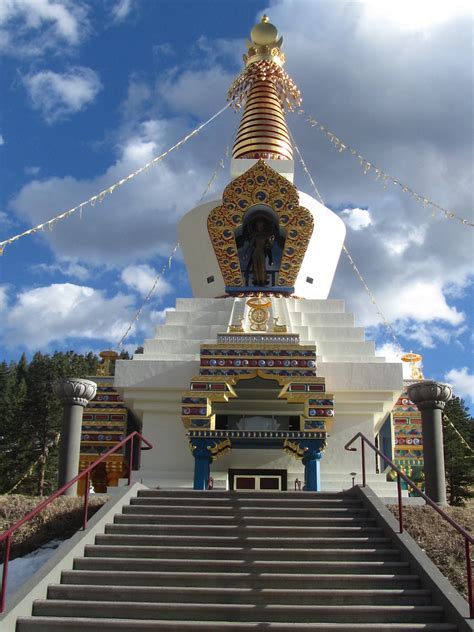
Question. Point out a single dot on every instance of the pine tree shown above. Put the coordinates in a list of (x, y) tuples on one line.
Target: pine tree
[(459, 458), (31, 418)]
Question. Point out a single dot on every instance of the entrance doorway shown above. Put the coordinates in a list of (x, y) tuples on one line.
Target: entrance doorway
[(258, 480)]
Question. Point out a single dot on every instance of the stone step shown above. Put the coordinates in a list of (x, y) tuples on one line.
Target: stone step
[(238, 539), (238, 612), (236, 595), (298, 567), (78, 624), (235, 502), (257, 509), (234, 495), (360, 518), (246, 553), (152, 525), (269, 580)]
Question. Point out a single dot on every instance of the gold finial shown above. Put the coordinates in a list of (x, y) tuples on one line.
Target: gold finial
[(108, 359), (265, 43), (413, 359)]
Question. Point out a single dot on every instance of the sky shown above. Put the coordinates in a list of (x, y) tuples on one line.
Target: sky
[(91, 91)]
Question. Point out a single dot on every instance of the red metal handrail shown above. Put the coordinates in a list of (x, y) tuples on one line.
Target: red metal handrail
[(7, 535), (468, 538)]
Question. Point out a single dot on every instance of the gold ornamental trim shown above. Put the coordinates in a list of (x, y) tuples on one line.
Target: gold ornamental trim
[(265, 101), (266, 116), (260, 110), (262, 146), (104, 411), (260, 126), (242, 194), (262, 143), (255, 110), (250, 132), (263, 150), (261, 136), (262, 93)]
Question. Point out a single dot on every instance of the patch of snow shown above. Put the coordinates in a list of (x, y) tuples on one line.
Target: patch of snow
[(22, 568)]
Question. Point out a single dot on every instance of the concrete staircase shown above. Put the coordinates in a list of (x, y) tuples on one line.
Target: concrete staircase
[(184, 560)]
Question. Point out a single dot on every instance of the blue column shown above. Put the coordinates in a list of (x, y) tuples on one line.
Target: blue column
[(312, 477), (202, 464)]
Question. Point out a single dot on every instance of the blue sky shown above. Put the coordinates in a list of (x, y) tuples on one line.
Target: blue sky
[(93, 90)]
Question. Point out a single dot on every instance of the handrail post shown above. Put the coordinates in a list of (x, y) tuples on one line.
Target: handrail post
[(6, 559), (130, 461), (400, 503), (362, 453), (470, 595), (86, 501)]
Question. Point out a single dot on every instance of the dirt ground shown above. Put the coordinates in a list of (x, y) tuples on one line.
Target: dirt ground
[(59, 520), (443, 545)]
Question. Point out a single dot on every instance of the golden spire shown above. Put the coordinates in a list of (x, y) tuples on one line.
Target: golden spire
[(266, 89)]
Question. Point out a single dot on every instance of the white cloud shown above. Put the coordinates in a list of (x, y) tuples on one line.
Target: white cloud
[(413, 16), (392, 354), (31, 27), (63, 311), (71, 269), (140, 219), (33, 170), (66, 311), (423, 301), (356, 218), (462, 381), (397, 119), (3, 297), (142, 277), (122, 9), (2, 140), (6, 221), (189, 90), (399, 242), (58, 96)]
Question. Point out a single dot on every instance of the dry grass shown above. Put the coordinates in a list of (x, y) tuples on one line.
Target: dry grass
[(443, 545), (59, 520)]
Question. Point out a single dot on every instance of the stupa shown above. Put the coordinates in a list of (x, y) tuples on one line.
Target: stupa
[(259, 380)]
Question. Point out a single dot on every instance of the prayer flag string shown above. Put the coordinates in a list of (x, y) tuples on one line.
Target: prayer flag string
[(99, 197), (382, 175)]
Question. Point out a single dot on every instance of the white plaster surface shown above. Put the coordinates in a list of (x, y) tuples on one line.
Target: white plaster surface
[(317, 269), (365, 388), (285, 168)]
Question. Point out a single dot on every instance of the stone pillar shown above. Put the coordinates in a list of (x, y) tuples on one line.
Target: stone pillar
[(202, 464), (75, 394), (311, 462), (430, 398)]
